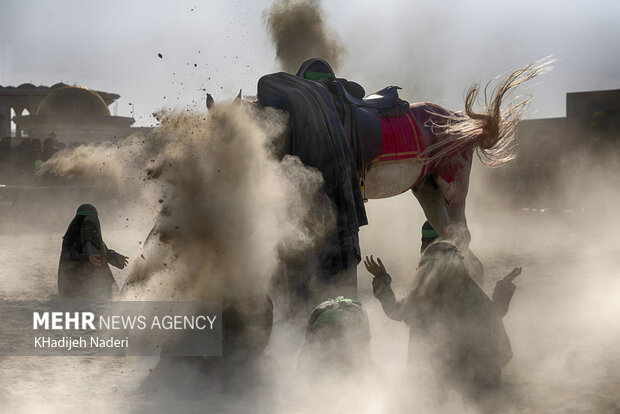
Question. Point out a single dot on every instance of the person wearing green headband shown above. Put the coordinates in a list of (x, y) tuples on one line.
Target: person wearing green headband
[(456, 330), (83, 270), (337, 339)]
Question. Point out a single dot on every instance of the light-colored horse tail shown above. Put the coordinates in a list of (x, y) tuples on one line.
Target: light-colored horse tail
[(491, 131)]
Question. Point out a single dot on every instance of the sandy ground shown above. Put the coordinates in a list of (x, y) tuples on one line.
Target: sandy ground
[(563, 322)]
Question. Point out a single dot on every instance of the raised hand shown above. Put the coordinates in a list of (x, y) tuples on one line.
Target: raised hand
[(376, 268), (122, 261), (512, 275)]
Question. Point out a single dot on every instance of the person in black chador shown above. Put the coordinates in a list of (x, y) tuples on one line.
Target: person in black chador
[(452, 322), (83, 271)]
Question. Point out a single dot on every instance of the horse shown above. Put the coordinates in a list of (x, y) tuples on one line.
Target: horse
[(438, 172), (432, 155)]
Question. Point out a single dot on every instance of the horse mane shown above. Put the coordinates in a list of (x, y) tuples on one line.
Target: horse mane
[(492, 131)]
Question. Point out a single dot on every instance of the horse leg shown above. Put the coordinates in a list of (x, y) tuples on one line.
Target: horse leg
[(449, 222), (432, 203), (453, 183), (459, 233)]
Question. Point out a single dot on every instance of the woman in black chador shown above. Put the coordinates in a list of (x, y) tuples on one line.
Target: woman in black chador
[(453, 324), (83, 271)]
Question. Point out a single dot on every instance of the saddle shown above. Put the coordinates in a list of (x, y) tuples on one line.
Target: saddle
[(360, 115), (386, 98), (361, 118)]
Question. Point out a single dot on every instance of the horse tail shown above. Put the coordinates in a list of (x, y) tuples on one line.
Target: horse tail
[(491, 131)]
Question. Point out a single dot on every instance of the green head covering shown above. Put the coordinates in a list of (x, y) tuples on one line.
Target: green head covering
[(336, 310), (316, 69)]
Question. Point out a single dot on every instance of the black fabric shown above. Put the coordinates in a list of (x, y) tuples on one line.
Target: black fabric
[(386, 98), (361, 117), (77, 277), (353, 88), (317, 137), (362, 125), (73, 231), (451, 316)]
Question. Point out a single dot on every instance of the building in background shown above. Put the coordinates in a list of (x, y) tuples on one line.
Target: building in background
[(48, 119), (592, 123), (67, 113), (556, 152)]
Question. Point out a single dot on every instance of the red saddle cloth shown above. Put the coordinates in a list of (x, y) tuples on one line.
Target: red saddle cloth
[(401, 139)]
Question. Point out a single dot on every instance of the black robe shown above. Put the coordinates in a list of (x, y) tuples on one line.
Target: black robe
[(454, 323), (77, 277)]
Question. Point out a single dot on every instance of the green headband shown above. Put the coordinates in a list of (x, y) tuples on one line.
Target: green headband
[(86, 213), (428, 234), (312, 75)]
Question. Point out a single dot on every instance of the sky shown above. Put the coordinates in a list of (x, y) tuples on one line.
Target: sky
[(433, 50)]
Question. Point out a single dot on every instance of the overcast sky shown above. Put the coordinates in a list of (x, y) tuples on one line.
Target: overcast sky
[(433, 49)]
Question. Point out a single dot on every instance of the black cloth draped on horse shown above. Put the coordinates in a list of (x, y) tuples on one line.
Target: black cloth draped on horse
[(318, 138), (360, 116)]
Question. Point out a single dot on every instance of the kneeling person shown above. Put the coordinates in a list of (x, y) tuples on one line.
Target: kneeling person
[(452, 321), (337, 339)]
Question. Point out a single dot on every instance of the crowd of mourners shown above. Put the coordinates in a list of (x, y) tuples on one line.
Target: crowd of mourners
[(454, 326)]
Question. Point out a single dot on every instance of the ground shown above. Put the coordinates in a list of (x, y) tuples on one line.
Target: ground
[(562, 323)]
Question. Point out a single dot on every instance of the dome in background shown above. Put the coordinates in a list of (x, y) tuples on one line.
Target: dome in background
[(73, 101)]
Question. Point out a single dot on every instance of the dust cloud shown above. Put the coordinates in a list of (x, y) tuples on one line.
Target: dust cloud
[(222, 203), (228, 205), (300, 32), (562, 322), (562, 227), (213, 206), (115, 167)]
